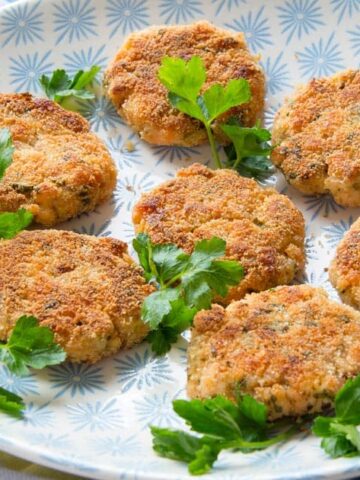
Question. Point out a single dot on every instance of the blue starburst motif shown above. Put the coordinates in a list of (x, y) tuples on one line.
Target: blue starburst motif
[(275, 458), (142, 370), (38, 416), (126, 15), (355, 40), (277, 74), (128, 232), (299, 17), (49, 440), (316, 277), (335, 232), (157, 410), (117, 446), (125, 150), (310, 248), (25, 71), (100, 113), (74, 20), (321, 59), (95, 416), (321, 205), (172, 154), (255, 28), (269, 115), (85, 59), (345, 7), (22, 24), (226, 4), (129, 189), (26, 385), (179, 10), (76, 378), (92, 229)]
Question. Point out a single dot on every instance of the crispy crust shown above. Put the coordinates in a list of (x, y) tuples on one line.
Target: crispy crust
[(262, 228), (60, 169), (132, 84), (86, 289), (344, 271), (317, 133), (291, 348)]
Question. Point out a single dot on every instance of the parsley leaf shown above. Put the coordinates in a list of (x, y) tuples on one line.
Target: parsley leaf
[(6, 150), (224, 425), (218, 99), (250, 150), (30, 345), (184, 81), (186, 284), (11, 223), (340, 437), (11, 404), (60, 85)]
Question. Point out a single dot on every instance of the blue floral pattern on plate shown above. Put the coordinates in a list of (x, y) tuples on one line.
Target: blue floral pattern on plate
[(105, 409)]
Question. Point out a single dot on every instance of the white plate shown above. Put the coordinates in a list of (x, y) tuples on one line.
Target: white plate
[(93, 420)]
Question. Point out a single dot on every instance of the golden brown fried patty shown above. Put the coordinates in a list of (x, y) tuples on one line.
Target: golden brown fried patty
[(291, 348), (140, 98), (317, 133), (60, 169), (344, 270), (86, 289), (262, 229)]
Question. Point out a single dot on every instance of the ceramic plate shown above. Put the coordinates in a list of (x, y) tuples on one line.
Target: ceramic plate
[(93, 420)]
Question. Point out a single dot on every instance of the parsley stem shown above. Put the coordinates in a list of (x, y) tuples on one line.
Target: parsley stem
[(260, 445), (214, 150)]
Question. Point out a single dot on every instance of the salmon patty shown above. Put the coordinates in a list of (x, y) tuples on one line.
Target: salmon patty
[(291, 347), (139, 97), (317, 138), (263, 230), (60, 169), (344, 270), (86, 289)]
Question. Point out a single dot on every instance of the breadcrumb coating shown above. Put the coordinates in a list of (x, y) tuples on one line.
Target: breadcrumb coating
[(263, 230), (344, 271), (86, 289), (60, 169), (317, 138), (139, 97), (290, 347)]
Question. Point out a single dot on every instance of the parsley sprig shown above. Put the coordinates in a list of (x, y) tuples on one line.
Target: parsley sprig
[(243, 426), (340, 437), (249, 152), (6, 150), (224, 425), (186, 284), (29, 345), (60, 85), (11, 223)]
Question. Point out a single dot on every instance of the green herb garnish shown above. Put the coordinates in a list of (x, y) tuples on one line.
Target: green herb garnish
[(224, 425), (11, 223), (30, 345), (249, 152), (184, 81), (11, 404), (186, 284), (60, 85), (340, 437), (6, 150)]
